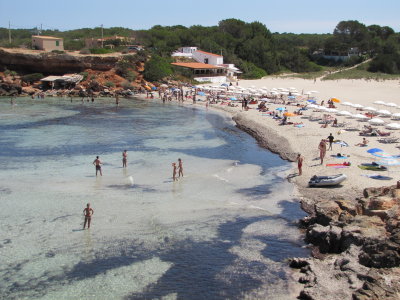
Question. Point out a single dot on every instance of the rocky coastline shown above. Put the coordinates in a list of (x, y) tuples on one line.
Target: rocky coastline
[(355, 241)]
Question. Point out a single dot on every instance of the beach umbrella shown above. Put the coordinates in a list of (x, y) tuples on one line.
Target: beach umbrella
[(347, 103), (281, 108), (384, 112), (391, 104), (314, 92), (360, 117), (164, 85), (296, 94), (344, 113), (201, 93), (232, 98), (358, 106), (379, 102), (373, 150), (396, 116), (288, 114), (331, 110), (311, 101), (369, 108), (393, 126), (224, 84), (336, 100), (376, 121)]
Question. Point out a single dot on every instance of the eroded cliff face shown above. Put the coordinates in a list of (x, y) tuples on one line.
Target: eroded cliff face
[(54, 63)]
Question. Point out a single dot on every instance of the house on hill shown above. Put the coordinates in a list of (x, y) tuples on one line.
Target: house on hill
[(47, 43), (206, 66)]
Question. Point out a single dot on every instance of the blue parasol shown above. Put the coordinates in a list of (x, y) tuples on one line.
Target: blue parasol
[(311, 101), (388, 162), (232, 98), (373, 150), (224, 84), (281, 108), (201, 94)]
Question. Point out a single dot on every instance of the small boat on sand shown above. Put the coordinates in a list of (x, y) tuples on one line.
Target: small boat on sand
[(326, 180)]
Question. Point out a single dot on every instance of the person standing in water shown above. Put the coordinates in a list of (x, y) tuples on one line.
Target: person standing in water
[(174, 171), (117, 99), (97, 163), (88, 213), (180, 167), (124, 158)]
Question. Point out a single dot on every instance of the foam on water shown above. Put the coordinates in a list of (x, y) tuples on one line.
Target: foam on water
[(223, 231)]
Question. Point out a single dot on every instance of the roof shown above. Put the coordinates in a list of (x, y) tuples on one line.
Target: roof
[(196, 66), (209, 53), (45, 37)]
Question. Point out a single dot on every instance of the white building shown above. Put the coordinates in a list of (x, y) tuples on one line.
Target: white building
[(208, 58)]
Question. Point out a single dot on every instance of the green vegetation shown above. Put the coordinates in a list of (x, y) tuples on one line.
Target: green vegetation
[(30, 78), (157, 68), (250, 46), (109, 84), (85, 75)]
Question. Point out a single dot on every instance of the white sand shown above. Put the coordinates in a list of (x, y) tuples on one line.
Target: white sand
[(305, 140)]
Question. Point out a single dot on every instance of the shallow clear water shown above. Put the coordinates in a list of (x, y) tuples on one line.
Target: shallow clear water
[(222, 232)]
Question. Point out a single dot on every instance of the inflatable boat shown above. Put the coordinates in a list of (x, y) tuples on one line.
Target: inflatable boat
[(326, 180)]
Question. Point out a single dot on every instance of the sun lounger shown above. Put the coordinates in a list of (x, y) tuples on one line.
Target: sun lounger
[(389, 140)]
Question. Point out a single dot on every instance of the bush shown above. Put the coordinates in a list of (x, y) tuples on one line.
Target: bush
[(109, 84), (85, 75), (100, 51), (157, 68), (84, 51), (251, 71), (10, 73), (57, 52), (386, 63), (30, 78)]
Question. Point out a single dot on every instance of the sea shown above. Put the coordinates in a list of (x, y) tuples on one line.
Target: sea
[(224, 230)]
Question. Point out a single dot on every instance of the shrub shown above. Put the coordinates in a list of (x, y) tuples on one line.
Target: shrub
[(100, 51), (109, 84), (57, 52), (30, 78), (10, 73), (85, 75), (157, 68)]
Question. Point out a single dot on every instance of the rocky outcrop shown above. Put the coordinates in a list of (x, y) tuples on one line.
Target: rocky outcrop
[(54, 63), (356, 247)]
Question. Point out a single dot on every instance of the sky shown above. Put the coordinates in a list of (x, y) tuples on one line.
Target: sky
[(296, 16)]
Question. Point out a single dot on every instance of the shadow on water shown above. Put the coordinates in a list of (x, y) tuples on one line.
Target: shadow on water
[(199, 269)]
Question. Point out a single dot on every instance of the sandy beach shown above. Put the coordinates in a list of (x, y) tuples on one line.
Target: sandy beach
[(289, 140)]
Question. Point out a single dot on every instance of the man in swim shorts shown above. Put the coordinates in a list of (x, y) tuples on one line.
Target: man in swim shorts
[(330, 139), (87, 212), (97, 163)]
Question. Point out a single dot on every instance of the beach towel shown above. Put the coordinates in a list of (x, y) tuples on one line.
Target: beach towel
[(372, 167), (346, 164), (377, 177), (339, 157)]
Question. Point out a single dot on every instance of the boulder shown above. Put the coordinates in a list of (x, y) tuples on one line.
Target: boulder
[(326, 212)]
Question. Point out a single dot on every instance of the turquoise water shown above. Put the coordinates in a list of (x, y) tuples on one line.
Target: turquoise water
[(223, 231)]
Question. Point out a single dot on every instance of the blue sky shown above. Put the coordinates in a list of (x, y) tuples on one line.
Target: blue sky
[(306, 16)]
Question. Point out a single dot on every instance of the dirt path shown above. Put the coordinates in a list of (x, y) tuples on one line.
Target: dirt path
[(345, 69)]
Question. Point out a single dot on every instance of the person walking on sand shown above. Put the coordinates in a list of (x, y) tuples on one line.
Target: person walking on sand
[(299, 160), (124, 158), (330, 139), (98, 164), (180, 167), (174, 171), (322, 150), (88, 213)]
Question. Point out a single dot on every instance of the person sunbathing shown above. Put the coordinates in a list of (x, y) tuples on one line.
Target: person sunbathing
[(364, 143)]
